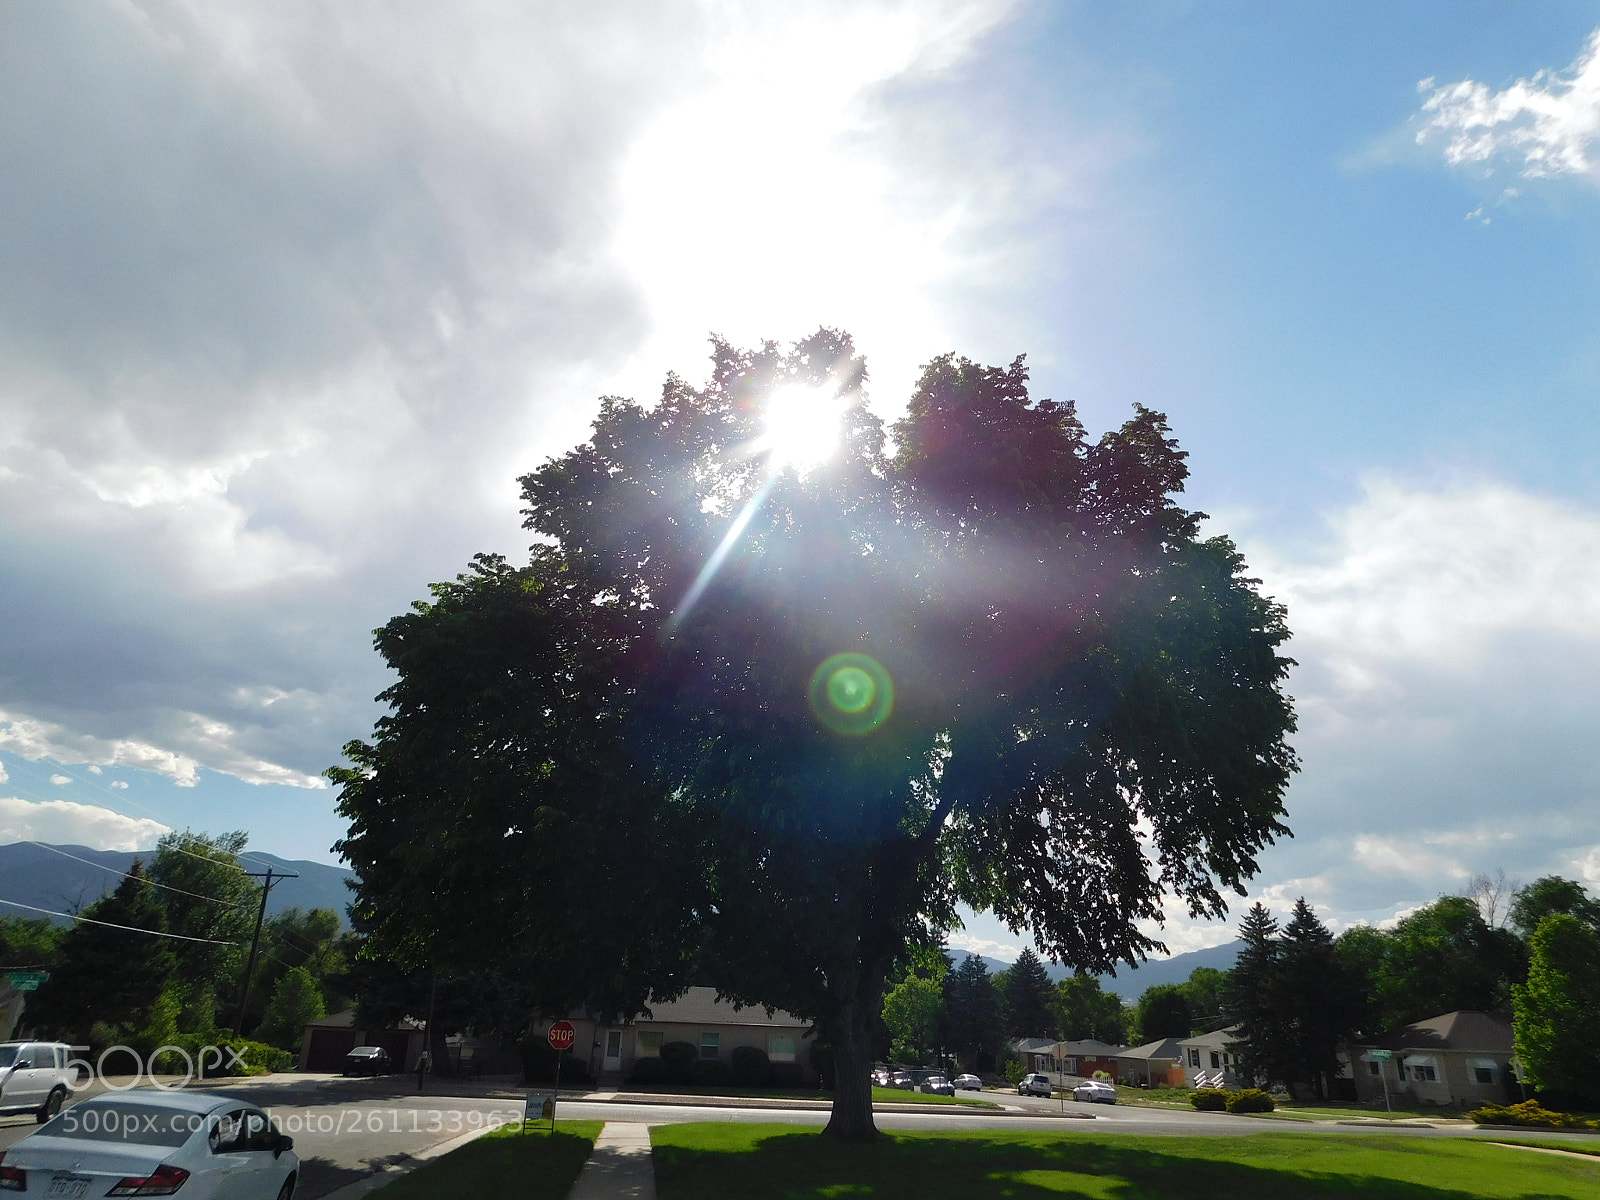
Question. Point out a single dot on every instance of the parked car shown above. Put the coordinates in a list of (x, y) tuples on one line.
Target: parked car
[(881, 1077), (903, 1081), (34, 1077), (970, 1083), (199, 1146), (1095, 1091), (937, 1085), (367, 1060), (1034, 1085)]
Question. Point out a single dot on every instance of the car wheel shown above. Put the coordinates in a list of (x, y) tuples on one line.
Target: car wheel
[(51, 1106), (287, 1190)]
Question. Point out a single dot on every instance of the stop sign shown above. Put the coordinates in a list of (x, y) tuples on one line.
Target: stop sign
[(562, 1035)]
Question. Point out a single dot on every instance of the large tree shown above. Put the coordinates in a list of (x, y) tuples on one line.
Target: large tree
[(1084, 1011), (1028, 994), (972, 1013), (1252, 1003), (1557, 1017), (1321, 997), (206, 895), (1444, 957), (1163, 1012), (1547, 896), (775, 722)]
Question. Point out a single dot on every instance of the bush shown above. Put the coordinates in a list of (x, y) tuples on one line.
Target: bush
[(750, 1066), (253, 1058), (1529, 1114), (1209, 1099), (539, 1064), (787, 1075), (711, 1072), (648, 1070), (1014, 1071), (1250, 1100), (680, 1058)]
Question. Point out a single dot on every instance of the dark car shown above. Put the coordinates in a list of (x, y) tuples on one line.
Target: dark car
[(367, 1060), (903, 1081)]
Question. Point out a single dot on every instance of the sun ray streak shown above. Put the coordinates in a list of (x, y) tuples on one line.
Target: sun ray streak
[(720, 554)]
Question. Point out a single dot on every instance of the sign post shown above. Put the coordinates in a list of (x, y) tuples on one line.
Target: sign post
[(1380, 1057), (562, 1035), (26, 981)]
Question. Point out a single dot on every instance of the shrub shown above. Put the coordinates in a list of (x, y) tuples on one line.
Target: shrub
[(648, 1070), (711, 1072), (254, 1058), (787, 1075), (539, 1064), (1530, 1114), (1209, 1099), (1014, 1071), (750, 1066), (680, 1058), (1250, 1100)]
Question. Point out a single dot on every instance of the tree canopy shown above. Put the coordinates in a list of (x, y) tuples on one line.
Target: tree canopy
[(771, 724)]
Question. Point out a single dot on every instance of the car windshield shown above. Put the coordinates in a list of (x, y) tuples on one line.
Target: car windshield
[(366, 1052), (121, 1122), (8, 1055)]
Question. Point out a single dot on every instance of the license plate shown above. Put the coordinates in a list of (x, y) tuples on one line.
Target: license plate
[(68, 1185)]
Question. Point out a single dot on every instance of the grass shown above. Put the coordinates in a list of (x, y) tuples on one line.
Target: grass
[(1308, 1109), (880, 1095), (726, 1161), (1573, 1147), (540, 1165)]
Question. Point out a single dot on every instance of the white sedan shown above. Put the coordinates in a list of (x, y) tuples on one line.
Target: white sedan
[(968, 1083), (1095, 1091), (153, 1143)]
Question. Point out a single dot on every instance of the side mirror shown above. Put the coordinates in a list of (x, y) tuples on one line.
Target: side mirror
[(284, 1143)]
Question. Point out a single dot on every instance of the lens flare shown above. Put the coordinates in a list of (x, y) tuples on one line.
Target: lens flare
[(802, 426), (851, 694)]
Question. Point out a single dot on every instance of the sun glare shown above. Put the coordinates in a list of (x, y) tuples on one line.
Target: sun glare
[(802, 426)]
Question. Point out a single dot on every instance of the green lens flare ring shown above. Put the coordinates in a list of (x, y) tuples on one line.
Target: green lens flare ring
[(851, 693)]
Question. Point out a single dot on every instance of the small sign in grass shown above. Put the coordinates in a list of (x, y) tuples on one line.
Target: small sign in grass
[(533, 1164), (725, 1161)]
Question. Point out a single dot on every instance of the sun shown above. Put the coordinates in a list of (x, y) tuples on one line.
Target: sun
[(802, 426)]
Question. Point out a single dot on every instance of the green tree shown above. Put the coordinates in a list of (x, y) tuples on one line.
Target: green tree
[(205, 894), (1445, 957), (972, 1013), (1028, 996), (28, 943), (1555, 1012), (912, 1010), (643, 752), (1084, 1010), (296, 1001), (1204, 989), (109, 969), (1252, 1003), (1548, 896), (1163, 1012), (1321, 999)]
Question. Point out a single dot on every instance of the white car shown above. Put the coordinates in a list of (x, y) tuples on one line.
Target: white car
[(1034, 1085), (969, 1083), (154, 1143), (35, 1077), (1095, 1091)]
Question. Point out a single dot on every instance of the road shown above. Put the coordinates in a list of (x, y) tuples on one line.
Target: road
[(345, 1131)]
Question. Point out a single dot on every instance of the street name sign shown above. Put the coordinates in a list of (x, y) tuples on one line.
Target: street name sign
[(26, 981)]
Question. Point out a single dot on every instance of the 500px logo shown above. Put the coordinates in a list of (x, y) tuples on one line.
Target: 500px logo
[(163, 1061)]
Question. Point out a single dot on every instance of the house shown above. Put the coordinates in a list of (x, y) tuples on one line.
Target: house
[(1086, 1056), (1460, 1057), (1209, 1060), (713, 1026), (327, 1040), (1154, 1064), (1036, 1053)]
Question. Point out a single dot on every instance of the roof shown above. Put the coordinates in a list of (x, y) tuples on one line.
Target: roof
[(1485, 1033), (1033, 1045), (1160, 1048), (700, 1006), (1087, 1048), (1217, 1039)]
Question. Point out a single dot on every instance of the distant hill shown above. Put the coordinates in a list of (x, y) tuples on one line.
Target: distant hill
[(42, 878), (1130, 982)]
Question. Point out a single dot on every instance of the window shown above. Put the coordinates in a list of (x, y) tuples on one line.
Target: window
[(1374, 1068), (1482, 1074), (780, 1047), (709, 1044), (1216, 1058), (1424, 1074), (647, 1043), (1194, 1057), (614, 1043)]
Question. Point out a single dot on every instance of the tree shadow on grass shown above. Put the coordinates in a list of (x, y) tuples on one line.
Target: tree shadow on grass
[(802, 1166)]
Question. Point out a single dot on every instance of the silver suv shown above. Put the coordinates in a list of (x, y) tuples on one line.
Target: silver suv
[(35, 1077), (1034, 1085)]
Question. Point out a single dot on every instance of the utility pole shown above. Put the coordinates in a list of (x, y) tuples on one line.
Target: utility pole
[(268, 878)]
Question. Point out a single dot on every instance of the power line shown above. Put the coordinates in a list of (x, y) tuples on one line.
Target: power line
[(130, 928), (128, 875)]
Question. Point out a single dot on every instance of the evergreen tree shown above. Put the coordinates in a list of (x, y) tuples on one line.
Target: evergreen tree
[(1321, 999), (1084, 1011), (1556, 1015), (973, 1013), (1028, 995), (106, 975), (1163, 1012), (1252, 1002)]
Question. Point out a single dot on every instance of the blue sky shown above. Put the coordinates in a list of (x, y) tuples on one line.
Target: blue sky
[(289, 296)]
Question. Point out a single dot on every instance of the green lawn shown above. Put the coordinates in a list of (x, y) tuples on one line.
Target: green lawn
[(778, 1162), (536, 1164), (879, 1095)]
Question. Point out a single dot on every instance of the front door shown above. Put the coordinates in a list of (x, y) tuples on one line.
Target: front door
[(613, 1060)]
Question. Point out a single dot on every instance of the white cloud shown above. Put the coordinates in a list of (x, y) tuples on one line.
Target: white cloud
[(1399, 857), (1589, 867), (1545, 126), (61, 822), (118, 783), (61, 780), (987, 947)]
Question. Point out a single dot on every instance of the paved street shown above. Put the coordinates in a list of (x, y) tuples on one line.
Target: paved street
[(345, 1131)]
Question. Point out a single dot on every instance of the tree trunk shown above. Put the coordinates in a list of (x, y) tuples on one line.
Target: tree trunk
[(852, 1070)]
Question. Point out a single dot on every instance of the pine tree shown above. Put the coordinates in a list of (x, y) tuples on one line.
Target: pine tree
[(1252, 1001), (1028, 995), (973, 1013), (1320, 999)]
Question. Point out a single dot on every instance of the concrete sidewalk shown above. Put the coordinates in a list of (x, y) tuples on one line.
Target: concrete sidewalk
[(620, 1167)]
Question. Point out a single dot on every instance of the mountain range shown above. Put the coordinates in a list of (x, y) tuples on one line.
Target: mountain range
[(1131, 981), (67, 879)]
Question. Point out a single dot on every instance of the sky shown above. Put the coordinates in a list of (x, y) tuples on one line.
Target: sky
[(291, 293)]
